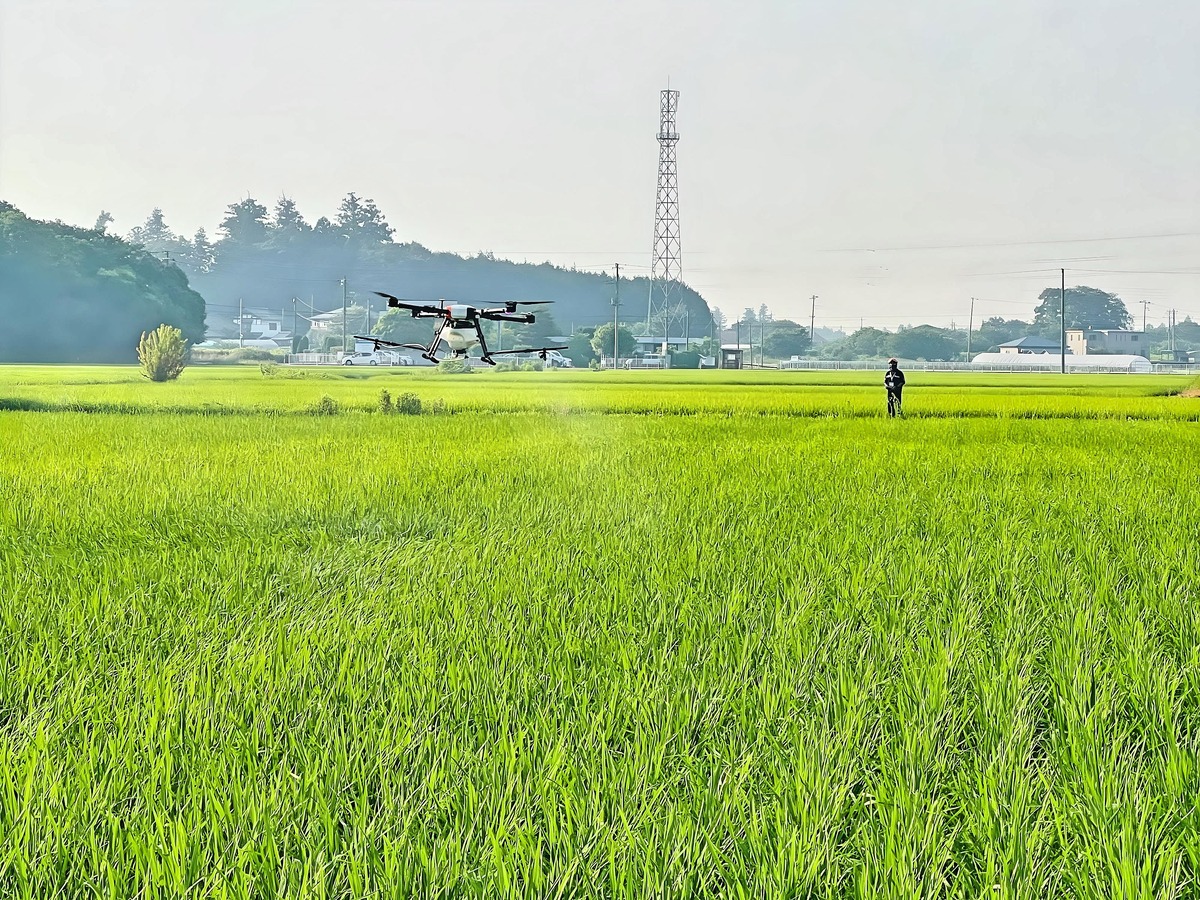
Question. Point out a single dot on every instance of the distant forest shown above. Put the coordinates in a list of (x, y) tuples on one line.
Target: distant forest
[(265, 258)]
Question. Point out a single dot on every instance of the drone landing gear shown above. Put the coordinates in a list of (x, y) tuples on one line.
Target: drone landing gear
[(483, 350)]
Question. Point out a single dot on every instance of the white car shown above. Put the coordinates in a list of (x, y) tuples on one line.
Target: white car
[(376, 358)]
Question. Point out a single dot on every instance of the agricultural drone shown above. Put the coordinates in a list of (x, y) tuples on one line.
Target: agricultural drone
[(460, 327)]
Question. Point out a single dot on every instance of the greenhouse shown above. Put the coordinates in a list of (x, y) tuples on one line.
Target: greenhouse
[(1052, 362)]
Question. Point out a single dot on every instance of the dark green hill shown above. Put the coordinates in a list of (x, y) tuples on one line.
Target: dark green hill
[(78, 295)]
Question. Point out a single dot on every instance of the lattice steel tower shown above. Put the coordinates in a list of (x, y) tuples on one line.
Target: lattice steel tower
[(666, 270)]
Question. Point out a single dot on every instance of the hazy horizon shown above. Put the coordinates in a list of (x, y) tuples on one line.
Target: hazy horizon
[(894, 162)]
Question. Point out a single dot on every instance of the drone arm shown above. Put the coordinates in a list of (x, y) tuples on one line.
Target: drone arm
[(527, 350), (418, 310), (378, 342), (493, 315)]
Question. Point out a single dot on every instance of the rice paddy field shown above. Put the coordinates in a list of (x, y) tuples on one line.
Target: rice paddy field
[(678, 634)]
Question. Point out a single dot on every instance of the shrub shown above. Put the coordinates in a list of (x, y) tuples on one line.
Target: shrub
[(326, 406), (454, 365), (236, 355), (408, 404), (268, 369), (162, 353), (438, 407), (385, 402)]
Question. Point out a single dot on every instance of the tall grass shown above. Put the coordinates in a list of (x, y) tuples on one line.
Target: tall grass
[(597, 655)]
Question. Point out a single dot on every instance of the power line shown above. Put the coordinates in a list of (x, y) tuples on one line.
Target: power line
[(1089, 240)]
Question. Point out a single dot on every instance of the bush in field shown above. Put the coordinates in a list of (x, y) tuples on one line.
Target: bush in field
[(454, 365), (408, 404), (162, 353), (385, 402), (326, 406)]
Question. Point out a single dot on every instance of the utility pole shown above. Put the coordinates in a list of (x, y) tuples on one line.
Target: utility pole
[(616, 305), (295, 339), (1062, 318), (368, 314), (1145, 304), (343, 280), (241, 323), (812, 320), (970, 328)]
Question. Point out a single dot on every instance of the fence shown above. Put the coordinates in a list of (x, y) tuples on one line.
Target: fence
[(868, 365), (313, 359), (636, 362)]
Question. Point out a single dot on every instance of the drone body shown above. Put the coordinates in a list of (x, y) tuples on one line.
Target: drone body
[(460, 327)]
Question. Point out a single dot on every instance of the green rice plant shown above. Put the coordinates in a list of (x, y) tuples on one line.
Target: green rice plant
[(755, 642)]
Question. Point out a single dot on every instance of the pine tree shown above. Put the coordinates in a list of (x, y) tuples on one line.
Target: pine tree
[(245, 224), (162, 353), (361, 220), (287, 218)]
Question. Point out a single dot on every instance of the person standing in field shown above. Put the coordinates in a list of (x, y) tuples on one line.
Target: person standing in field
[(893, 380)]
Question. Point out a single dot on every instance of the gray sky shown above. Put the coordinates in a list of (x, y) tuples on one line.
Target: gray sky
[(811, 134)]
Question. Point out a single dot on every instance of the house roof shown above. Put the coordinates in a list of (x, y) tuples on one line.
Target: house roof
[(1031, 342)]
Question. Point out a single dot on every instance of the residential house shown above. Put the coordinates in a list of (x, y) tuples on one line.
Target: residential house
[(1108, 340), (255, 324)]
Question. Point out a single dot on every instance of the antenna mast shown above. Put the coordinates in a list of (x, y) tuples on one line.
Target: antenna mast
[(666, 270)]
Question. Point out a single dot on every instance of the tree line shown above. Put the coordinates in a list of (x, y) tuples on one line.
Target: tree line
[(265, 258), (1085, 307), (85, 295)]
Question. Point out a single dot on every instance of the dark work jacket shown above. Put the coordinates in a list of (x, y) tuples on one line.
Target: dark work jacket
[(893, 379)]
